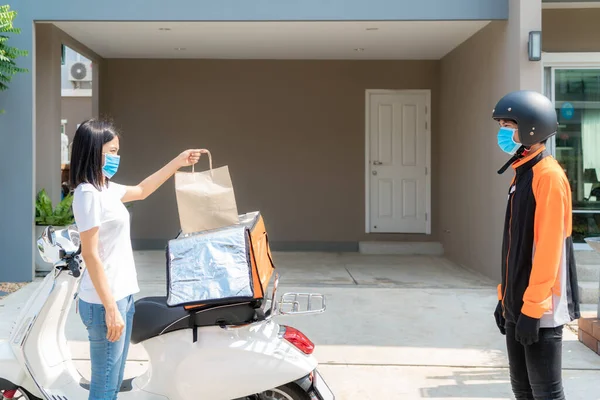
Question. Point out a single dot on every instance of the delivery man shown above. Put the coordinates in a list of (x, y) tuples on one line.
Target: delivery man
[(539, 292)]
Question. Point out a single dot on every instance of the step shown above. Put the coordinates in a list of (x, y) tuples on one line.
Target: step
[(587, 257), (401, 248), (588, 292), (589, 333), (588, 273)]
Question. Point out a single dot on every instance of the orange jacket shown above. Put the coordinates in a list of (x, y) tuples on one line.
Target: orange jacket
[(539, 277)]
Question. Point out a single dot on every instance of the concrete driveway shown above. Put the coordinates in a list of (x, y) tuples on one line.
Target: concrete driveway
[(395, 328)]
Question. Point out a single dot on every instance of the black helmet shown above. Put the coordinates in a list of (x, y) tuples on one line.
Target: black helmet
[(532, 111)]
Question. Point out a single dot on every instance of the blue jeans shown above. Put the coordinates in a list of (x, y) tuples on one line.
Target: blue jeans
[(107, 358)]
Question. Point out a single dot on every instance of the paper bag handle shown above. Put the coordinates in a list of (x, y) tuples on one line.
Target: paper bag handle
[(209, 162)]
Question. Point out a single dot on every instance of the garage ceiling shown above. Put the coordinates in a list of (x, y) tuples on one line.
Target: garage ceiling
[(363, 40)]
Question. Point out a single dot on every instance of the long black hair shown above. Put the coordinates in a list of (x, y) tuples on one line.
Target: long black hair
[(86, 153)]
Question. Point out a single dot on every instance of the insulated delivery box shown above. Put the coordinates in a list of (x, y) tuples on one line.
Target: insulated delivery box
[(220, 266)]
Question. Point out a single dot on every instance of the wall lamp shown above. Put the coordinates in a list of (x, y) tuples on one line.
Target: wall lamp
[(535, 46)]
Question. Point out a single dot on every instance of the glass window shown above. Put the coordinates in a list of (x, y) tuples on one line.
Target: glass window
[(577, 143)]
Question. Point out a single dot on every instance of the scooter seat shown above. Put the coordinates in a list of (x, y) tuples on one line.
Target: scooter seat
[(153, 317)]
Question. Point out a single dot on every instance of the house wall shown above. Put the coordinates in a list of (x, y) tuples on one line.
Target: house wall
[(18, 173), (266, 10), (571, 30), (473, 78), (291, 132)]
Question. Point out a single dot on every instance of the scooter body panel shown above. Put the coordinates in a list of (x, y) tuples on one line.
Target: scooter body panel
[(73, 391), (180, 369), (255, 355), (24, 324), (215, 363), (39, 341), (10, 366)]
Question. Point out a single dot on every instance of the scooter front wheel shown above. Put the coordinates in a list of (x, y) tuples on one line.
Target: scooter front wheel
[(291, 391)]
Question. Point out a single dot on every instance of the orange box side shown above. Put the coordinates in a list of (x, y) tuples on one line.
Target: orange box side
[(261, 261), (262, 255)]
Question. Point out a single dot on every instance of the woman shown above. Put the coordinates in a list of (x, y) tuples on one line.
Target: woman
[(105, 293)]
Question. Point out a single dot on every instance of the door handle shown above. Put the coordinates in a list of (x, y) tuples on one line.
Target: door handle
[(377, 163)]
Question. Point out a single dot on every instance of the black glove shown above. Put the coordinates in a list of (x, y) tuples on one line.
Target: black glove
[(527, 330), (499, 318)]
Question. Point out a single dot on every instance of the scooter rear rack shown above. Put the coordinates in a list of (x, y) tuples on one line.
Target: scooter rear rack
[(302, 303), (293, 303)]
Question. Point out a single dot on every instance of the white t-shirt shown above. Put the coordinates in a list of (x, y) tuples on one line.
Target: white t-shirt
[(104, 209)]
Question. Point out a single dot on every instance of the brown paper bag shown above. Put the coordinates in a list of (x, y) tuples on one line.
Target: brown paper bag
[(205, 200)]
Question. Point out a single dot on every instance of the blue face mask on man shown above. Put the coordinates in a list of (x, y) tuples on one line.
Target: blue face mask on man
[(506, 140), (111, 165)]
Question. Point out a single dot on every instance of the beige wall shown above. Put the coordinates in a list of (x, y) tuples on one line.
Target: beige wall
[(571, 30), (292, 133), (473, 78), (75, 110), (47, 123), (471, 217), (49, 105)]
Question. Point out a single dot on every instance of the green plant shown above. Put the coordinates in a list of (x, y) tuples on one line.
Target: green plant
[(62, 215), (8, 54)]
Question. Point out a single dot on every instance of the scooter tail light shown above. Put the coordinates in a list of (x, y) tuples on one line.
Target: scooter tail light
[(298, 339), (9, 394)]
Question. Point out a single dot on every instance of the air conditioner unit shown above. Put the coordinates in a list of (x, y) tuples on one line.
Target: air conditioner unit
[(80, 71)]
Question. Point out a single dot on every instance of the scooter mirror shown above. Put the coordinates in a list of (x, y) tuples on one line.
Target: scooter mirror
[(74, 235), (47, 247), (49, 235)]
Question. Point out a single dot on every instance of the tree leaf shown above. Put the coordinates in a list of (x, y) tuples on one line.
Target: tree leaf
[(8, 54)]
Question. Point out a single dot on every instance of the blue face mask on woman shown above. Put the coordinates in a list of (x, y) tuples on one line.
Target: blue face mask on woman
[(111, 165), (506, 141)]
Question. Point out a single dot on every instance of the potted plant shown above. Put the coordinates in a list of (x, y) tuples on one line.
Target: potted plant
[(59, 217)]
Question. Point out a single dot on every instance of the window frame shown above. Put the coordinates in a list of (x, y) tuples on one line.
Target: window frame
[(556, 61)]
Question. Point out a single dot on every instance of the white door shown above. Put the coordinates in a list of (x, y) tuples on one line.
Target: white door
[(398, 162)]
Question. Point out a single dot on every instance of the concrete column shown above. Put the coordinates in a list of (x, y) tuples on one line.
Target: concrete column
[(17, 155), (48, 107), (524, 16)]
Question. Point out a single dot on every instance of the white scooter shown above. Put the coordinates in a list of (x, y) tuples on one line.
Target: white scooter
[(193, 355)]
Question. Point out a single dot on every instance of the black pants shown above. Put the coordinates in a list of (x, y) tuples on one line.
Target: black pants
[(536, 370)]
